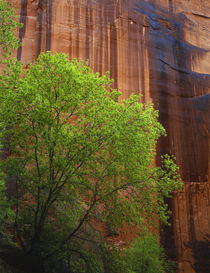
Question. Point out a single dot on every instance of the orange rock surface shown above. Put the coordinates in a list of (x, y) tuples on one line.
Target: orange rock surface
[(161, 49)]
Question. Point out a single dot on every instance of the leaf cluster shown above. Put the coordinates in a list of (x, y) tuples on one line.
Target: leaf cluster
[(8, 26), (145, 255)]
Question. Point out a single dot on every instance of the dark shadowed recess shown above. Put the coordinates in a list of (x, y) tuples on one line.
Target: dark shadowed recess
[(201, 252), (185, 91)]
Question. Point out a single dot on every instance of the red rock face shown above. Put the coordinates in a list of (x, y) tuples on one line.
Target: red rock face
[(159, 48)]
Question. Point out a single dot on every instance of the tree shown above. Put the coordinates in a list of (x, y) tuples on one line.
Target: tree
[(77, 154)]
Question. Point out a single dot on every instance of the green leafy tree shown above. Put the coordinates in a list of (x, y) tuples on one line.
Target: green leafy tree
[(76, 154)]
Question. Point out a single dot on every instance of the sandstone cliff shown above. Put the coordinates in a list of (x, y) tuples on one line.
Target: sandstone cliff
[(161, 49)]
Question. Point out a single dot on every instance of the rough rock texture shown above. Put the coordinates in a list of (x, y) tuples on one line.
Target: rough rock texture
[(161, 49)]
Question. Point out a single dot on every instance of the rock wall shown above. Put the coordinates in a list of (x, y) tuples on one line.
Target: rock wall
[(161, 49)]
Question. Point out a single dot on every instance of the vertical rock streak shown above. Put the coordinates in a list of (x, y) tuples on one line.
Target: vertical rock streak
[(48, 4), (22, 31), (40, 19)]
